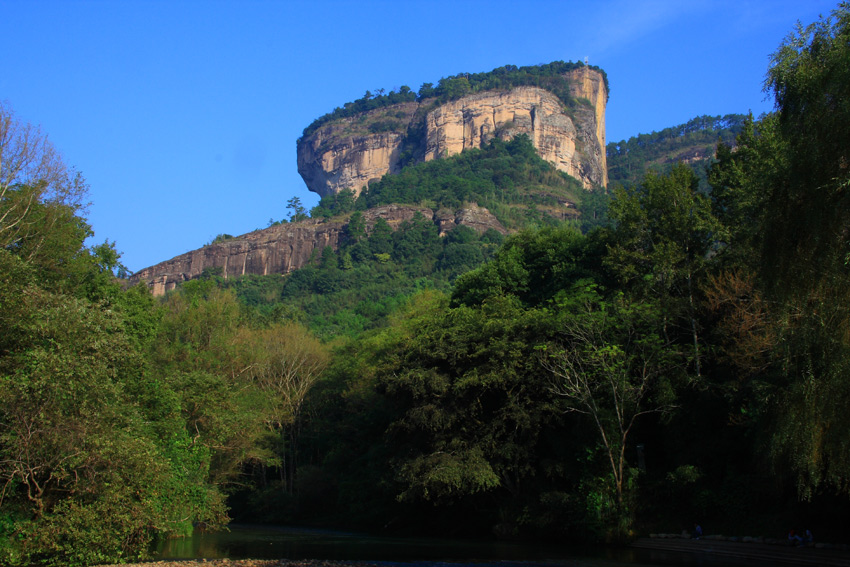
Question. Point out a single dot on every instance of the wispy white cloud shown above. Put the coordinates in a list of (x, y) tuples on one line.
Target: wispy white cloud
[(621, 23)]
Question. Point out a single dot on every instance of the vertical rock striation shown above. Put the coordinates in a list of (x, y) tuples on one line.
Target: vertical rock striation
[(351, 152), (286, 247), (474, 120)]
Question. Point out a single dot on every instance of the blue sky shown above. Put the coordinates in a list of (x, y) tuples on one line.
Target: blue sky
[(183, 115)]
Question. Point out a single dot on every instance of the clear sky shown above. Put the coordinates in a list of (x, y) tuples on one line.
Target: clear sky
[(183, 115)]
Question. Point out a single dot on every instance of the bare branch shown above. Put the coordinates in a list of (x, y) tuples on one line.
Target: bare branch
[(31, 171)]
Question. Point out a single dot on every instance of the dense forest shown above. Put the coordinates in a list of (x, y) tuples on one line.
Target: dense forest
[(682, 359), (694, 142)]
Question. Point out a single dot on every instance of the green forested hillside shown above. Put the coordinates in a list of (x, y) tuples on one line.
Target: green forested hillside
[(355, 288), (686, 362), (508, 178), (694, 142)]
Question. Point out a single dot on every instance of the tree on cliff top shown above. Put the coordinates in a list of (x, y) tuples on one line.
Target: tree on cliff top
[(549, 76)]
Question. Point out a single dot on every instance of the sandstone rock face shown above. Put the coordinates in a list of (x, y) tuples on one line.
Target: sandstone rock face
[(287, 247), (347, 154), (588, 84), (351, 152), (278, 249), (473, 121), (473, 216)]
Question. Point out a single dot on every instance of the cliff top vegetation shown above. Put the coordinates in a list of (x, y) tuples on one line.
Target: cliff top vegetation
[(549, 76)]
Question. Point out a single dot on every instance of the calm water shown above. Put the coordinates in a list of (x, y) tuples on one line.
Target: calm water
[(243, 542)]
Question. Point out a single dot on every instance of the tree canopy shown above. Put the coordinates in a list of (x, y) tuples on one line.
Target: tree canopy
[(685, 356)]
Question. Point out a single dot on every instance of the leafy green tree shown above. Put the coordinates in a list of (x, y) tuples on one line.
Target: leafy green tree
[(297, 212), (39, 194), (805, 262), (380, 240), (416, 239), (806, 230), (197, 356), (284, 361), (84, 477), (664, 233), (533, 265), (741, 184), (594, 210), (613, 364), (474, 406)]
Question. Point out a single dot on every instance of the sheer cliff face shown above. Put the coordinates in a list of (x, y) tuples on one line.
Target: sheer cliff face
[(283, 248), (338, 156), (349, 153), (570, 145)]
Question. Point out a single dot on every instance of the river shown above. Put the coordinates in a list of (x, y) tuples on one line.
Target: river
[(264, 542)]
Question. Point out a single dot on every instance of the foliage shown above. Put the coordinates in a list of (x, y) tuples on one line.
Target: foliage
[(613, 364), (664, 233), (122, 420), (39, 194), (297, 212), (472, 405), (507, 178), (284, 362), (371, 274), (549, 76), (805, 248), (221, 237), (783, 291), (548, 384), (534, 266), (83, 472), (694, 143), (368, 102)]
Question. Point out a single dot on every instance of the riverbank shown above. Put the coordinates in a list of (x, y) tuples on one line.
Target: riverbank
[(248, 563), (751, 550), (758, 553)]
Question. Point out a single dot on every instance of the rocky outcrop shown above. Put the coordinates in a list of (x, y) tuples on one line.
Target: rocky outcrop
[(286, 247), (278, 249), (589, 85), (473, 216), (473, 121), (351, 152)]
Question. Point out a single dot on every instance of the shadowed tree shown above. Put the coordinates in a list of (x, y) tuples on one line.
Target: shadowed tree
[(665, 231), (613, 365), (284, 361), (806, 253)]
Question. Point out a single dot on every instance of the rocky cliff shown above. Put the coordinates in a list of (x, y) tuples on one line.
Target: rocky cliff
[(351, 152), (286, 247)]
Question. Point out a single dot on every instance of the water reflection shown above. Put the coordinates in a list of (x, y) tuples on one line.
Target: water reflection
[(244, 541)]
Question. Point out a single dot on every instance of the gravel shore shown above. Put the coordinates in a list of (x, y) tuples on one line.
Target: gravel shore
[(756, 553), (246, 563)]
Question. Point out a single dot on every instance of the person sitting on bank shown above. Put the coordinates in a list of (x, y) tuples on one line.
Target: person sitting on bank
[(697, 532)]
